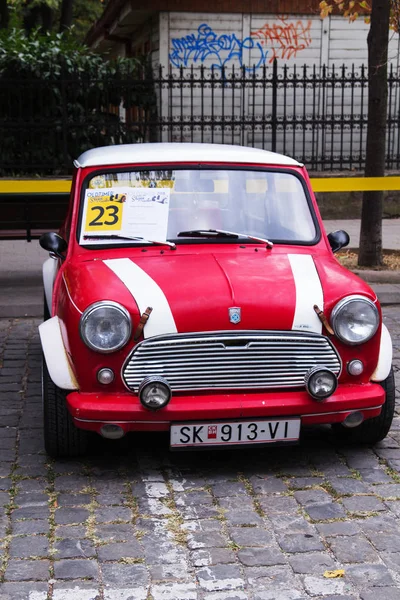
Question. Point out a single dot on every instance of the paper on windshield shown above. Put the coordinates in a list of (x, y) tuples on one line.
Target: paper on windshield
[(131, 212)]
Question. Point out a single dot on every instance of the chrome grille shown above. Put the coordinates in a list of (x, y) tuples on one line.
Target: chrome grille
[(230, 360)]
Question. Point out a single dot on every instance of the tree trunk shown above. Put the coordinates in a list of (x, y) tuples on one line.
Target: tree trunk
[(370, 254), (4, 14), (66, 14)]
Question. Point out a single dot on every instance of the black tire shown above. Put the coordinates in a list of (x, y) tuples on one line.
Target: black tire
[(61, 438), (46, 312), (373, 430)]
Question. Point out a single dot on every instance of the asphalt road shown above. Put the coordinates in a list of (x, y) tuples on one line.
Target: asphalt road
[(133, 521)]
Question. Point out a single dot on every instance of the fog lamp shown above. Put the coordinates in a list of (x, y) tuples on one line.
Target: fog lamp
[(321, 382), (105, 376), (354, 419), (154, 393), (112, 431), (355, 367)]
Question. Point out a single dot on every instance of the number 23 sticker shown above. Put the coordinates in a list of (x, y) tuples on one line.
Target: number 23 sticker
[(102, 217)]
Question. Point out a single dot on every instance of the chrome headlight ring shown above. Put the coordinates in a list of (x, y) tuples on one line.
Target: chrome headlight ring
[(351, 315), (113, 326)]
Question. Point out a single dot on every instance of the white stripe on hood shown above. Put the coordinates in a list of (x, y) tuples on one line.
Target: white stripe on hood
[(308, 292), (146, 292)]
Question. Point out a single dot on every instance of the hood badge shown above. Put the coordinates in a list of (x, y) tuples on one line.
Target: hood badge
[(235, 314)]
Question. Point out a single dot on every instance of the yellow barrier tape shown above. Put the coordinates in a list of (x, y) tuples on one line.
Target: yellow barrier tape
[(35, 186), (328, 184), (355, 184)]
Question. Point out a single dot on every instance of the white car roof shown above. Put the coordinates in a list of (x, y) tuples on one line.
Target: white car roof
[(172, 153)]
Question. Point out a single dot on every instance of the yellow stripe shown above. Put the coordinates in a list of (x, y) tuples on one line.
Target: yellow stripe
[(355, 184), (320, 184), (35, 186)]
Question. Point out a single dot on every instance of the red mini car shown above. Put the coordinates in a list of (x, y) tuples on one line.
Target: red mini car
[(192, 289)]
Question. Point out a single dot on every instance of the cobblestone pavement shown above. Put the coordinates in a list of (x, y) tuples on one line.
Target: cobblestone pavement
[(135, 521)]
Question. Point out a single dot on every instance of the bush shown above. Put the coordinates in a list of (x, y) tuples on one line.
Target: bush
[(58, 99)]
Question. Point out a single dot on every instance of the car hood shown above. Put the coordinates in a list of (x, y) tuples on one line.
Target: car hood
[(197, 291)]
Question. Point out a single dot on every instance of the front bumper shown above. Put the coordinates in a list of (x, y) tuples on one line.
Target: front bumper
[(91, 411)]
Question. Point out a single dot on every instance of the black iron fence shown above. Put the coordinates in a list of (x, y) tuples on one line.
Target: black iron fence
[(316, 115)]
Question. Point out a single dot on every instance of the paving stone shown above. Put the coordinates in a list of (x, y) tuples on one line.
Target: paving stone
[(363, 504), (73, 548), (347, 485), (76, 590), (388, 593), (32, 499), (299, 542), (321, 586), (386, 542), (193, 499), (212, 556), (369, 575), (354, 549), (30, 527), (292, 523), (325, 511), (205, 540), (107, 515), (220, 577), (176, 572), (71, 483), (75, 569), (120, 532), (34, 546), (27, 570), (251, 557), (267, 485), (382, 523), (251, 536), (73, 499), (174, 591), (374, 476), (388, 492), (30, 512), (313, 563), (338, 528), (71, 516), (229, 488), (307, 497), (231, 595), (278, 505), (120, 550), (120, 575), (243, 517), (71, 531), (23, 591)]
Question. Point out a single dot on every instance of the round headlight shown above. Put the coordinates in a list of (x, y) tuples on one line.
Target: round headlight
[(355, 319), (321, 382), (154, 393), (105, 326)]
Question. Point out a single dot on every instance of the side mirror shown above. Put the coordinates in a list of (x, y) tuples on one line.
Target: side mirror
[(52, 242), (338, 239)]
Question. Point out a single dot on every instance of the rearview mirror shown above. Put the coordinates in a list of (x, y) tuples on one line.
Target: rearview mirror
[(52, 242), (338, 239)]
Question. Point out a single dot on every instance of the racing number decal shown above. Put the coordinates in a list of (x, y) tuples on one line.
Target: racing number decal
[(102, 217)]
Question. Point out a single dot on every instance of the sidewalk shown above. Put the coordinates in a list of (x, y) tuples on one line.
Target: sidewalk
[(21, 291)]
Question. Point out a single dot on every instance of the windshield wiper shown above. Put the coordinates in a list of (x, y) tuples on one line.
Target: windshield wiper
[(115, 236), (222, 233)]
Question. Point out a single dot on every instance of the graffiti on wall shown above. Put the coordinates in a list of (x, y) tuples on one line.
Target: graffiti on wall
[(284, 38), (223, 50)]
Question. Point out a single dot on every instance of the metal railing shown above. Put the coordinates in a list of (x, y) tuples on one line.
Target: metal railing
[(317, 115)]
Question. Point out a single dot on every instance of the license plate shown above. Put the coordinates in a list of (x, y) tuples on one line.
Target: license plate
[(234, 432)]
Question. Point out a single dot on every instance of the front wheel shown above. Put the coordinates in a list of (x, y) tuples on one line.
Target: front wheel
[(373, 430), (61, 438)]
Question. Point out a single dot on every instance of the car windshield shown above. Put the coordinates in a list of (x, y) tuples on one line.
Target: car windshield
[(140, 207)]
